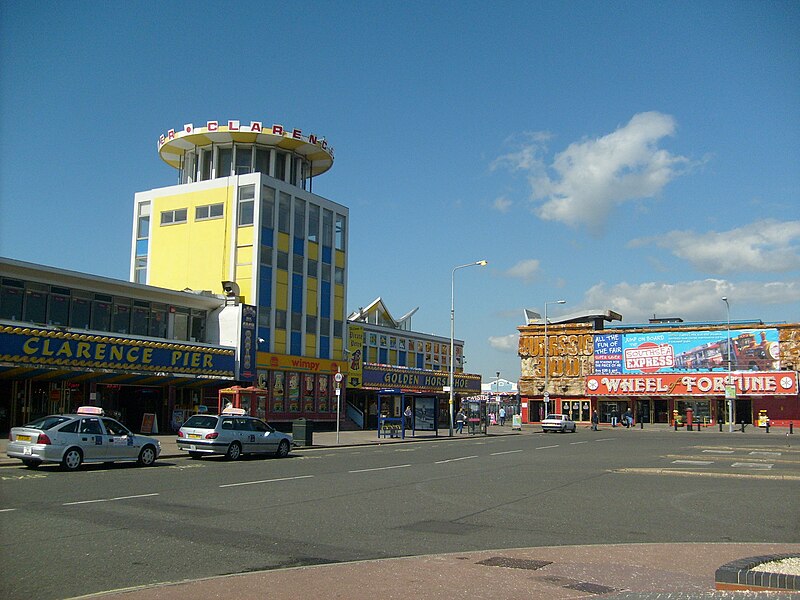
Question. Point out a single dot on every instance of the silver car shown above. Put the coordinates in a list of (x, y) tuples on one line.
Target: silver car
[(231, 434), (84, 437)]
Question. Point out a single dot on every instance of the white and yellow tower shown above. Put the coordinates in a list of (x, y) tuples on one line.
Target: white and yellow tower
[(243, 212)]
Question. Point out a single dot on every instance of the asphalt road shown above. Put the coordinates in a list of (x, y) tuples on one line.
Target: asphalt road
[(68, 534)]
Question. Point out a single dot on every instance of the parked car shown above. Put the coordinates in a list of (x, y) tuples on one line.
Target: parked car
[(84, 437), (560, 423), (231, 434)]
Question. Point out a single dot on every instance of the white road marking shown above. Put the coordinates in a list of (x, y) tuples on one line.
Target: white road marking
[(108, 499), (745, 465), (692, 462), (576, 443), (379, 469), (506, 452), (227, 485), (545, 447), (605, 440), (719, 451), (7, 509), (762, 453), (441, 462)]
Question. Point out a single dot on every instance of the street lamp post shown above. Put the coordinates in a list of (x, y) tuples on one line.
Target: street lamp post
[(728, 393), (546, 365), (478, 263)]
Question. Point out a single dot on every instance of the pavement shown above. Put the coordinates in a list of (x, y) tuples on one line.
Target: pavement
[(615, 571)]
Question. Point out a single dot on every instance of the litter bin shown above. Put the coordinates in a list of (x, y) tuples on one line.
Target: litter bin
[(303, 432)]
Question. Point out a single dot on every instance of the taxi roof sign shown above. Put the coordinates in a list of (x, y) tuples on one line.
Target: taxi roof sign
[(90, 410), (233, 411)]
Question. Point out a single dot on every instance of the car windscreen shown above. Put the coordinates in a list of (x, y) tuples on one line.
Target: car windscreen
[(201, 421), (46, 423)]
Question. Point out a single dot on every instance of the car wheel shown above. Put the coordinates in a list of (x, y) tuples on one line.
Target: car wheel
[(283, 449), (195, 454), (72, 459), (31, 463), (234, 451), (147, 457)]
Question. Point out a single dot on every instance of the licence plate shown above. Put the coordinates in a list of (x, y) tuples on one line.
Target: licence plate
[(23, 438), (192, 447), (27, 450), (194, 436)]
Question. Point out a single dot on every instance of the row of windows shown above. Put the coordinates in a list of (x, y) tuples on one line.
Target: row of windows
[(79, 309), (333, 227), (215, 161)]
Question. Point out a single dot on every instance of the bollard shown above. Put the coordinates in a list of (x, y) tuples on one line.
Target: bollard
[(698, 427), (641, 424), (720, 426), (743, 423), (676, 425), (767, 427), (791, 426)]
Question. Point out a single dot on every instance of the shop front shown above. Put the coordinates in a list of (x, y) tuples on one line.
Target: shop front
[(297, 387), (425, 387), (48, 371)]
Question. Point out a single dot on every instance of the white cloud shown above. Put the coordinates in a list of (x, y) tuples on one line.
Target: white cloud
[(762, 246), (505, 343), (502, 204), (591, 177), (526, 270), (697, 300)]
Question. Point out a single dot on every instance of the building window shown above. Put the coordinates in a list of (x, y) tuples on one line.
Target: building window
[(121, 316), (171, 217), (80, 311), (158, 321), (139, 317), (268, 209), (311, 268), (340, 232), (280, 166), (280, 319), (327, 228), (262, 160), (244, 159), (246, 204), (205, 163), (338, 328), (297, 261), (101, 312), (224, 157), (313, 223), (284, 207), (58, 309), (283, 260), (209, 211), (11, 299), (311, 324), (338, 274), (299, 218)]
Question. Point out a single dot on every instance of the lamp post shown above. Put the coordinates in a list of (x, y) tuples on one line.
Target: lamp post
[(546, 365), (478, 263), (729, 394)]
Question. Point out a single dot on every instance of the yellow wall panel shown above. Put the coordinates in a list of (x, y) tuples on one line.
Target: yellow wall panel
[(244, 236), (192, 254), (281, 296), (311, 302), (311, 345), (283, 242), (373, 355), (339, 259), (392, 357), (280, 340), (313, 250)]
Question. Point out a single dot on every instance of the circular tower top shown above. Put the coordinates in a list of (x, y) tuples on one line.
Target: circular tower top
[(173, 144)]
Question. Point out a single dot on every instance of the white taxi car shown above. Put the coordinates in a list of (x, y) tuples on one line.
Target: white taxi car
[(232, 434), (84, 437), (560, 423)]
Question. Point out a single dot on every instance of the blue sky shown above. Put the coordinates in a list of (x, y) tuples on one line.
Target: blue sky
[(635, 156)]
